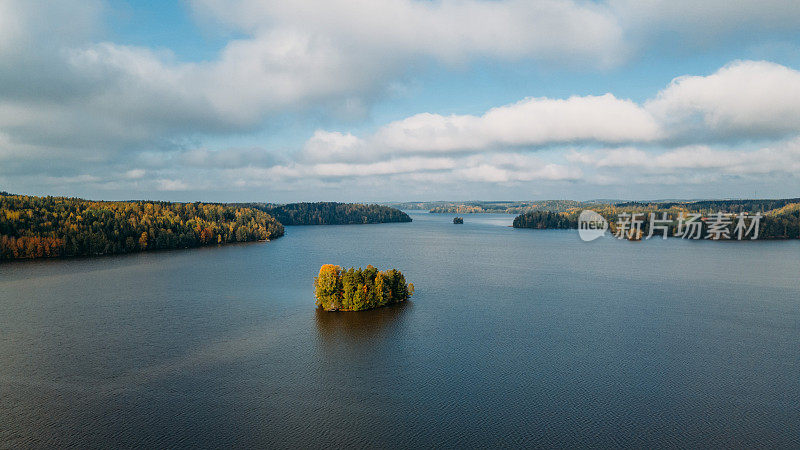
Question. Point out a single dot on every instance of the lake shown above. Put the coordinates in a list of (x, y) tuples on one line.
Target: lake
[(515, 337)]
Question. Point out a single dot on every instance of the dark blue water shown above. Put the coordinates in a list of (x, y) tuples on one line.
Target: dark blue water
[(514, 338)]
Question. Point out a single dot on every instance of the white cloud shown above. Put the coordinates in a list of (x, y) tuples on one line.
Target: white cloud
[(33, 24), (782, 157), (231, 157), (389, 167), (706, 20), (333, 146), (59, 87), (530, 122), (85, 105), (452, 31), (744, 98), (510, 168), (497, 168), (166, 184), (135, 174)]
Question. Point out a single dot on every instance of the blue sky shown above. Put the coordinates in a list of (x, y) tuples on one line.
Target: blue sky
[(399, 99)]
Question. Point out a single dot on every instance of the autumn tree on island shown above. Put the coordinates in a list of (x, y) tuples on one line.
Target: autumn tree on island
[(359, 289)]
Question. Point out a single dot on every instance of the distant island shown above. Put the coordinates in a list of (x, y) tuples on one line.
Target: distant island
[(330, 213), (47, 227), (359, 289), (781, 217), (458, 220), (493, 207)]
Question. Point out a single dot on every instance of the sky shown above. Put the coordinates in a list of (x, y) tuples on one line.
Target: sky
[(400, 100)]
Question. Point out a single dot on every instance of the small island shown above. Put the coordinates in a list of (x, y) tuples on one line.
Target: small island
[(458, 220), (359, 289)]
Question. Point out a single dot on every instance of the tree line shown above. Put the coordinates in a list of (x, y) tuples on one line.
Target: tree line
[(782, 222), (37, 227), (359, 289), (546, 220), (712, 206), (505, 207), (331, 213)]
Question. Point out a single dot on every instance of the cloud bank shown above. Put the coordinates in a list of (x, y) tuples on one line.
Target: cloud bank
[(79, 110)]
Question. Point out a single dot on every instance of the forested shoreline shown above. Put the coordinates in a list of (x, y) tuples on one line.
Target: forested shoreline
[(51, 227), (781, 218), (330, 213)]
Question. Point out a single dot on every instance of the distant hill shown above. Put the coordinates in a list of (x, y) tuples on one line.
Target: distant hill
[(500, 207), (330, 213)]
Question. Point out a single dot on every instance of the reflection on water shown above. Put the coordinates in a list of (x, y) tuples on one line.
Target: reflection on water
[(342, 327), (351, 342)]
